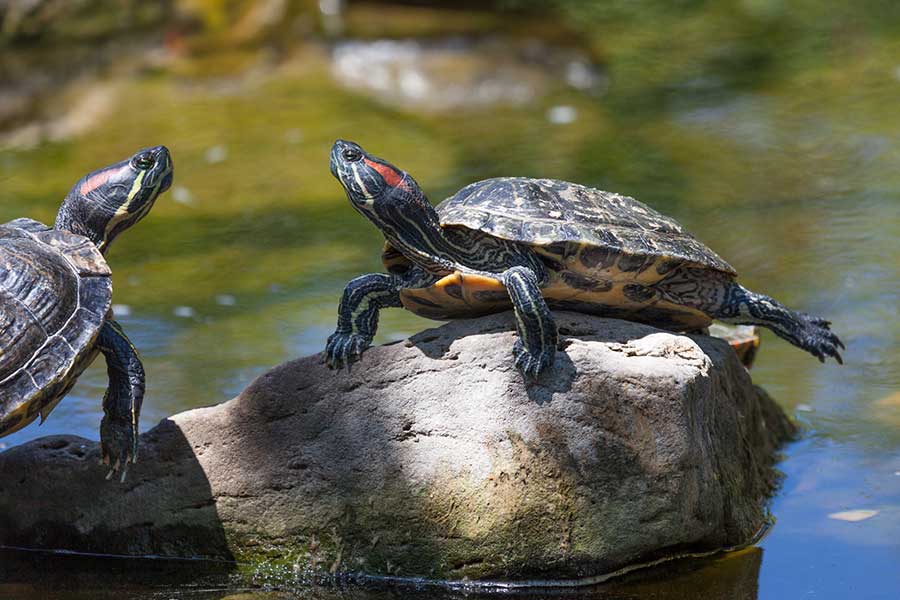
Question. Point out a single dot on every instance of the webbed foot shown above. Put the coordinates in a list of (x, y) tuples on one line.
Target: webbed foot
[(345, 349), (118, 446), (815, 336)]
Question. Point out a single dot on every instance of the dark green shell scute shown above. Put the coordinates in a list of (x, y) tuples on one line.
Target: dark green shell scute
[(91, 295), (20, 227), (667, 266), (638, 293), (37, 282), (17, 329), (598, 257), (19, 385), (546, 212), (55, 294), (45, 364), (587, 284), (634, 263)]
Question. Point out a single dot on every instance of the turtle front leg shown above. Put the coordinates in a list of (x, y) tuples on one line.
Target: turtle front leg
[(535, 349), (361, 302), (122, 401)]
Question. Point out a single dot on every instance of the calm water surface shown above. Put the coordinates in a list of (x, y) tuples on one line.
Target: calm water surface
[(789, 171)]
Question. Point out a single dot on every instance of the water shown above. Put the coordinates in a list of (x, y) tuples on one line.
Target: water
[(779, 152)]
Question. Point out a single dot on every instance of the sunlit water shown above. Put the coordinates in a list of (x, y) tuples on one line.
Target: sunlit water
[(795, 181)]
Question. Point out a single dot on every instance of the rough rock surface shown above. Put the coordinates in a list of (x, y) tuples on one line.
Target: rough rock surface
[(433, 458)]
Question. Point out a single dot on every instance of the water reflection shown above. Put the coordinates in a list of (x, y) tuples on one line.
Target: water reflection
[(732, 577), (460, 73)]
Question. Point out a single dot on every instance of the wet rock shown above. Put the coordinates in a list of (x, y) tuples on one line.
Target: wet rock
[(433, 458)]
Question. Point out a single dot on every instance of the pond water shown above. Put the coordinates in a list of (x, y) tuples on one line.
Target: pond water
[(779, 152)]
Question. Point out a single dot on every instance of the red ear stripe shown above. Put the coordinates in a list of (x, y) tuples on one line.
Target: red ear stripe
[(96, 181), (391, 177)]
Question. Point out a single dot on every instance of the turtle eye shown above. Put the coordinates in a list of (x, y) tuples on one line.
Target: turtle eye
[(143, 161), (351, 154)]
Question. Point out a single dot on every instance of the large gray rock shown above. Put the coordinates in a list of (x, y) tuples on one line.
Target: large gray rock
[(433, 458)]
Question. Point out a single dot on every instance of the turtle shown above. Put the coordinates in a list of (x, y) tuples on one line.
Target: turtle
[(536, 244), (55, 303)]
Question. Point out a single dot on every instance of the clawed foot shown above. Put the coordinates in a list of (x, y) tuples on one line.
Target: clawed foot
[(345, 349), (118, 446), (817, 338), (533, 363)]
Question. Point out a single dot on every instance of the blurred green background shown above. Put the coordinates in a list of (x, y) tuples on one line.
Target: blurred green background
[(768, 127)]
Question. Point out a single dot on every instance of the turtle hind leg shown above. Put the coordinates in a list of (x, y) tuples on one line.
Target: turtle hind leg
[(742, 306)]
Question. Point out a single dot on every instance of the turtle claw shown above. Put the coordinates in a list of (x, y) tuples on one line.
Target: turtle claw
[(532, 364), (815, 336), (118, 446), (344, 349), (112, 472)]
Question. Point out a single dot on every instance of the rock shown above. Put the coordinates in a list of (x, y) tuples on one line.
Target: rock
[(432, 458)]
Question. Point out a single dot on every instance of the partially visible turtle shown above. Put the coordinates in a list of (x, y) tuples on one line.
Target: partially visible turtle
[(55, 296), (527, 243), (742, 338)]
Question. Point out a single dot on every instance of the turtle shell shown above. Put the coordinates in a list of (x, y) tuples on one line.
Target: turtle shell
[(55, 293), (605, 253), (543, 212)]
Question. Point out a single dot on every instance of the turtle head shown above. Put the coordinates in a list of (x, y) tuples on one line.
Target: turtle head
[(370, 182), (392, 200), (108, 201)]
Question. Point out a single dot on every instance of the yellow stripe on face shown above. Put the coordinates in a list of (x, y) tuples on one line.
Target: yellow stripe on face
[(365, 191), (123, 211)]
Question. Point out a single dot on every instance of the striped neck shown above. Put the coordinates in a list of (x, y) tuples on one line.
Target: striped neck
[(75, 216), (413, 227), (69, 218)]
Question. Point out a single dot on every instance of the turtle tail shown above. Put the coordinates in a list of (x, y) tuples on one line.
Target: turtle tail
[(742, 306)]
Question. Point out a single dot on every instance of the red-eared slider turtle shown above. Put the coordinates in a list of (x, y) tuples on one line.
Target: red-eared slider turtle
[(55, 295), (527, 243)]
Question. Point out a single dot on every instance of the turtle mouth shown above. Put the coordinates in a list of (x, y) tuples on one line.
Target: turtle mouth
[(343, 155), (334, 168), (166, 182), (159, 173)]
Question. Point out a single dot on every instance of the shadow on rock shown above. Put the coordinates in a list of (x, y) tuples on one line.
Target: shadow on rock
[(53, 495), (433, 459)]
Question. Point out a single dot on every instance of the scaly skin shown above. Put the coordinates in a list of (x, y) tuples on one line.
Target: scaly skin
[(392, 200), (800, 329), (101, 206), (719, 296), (361, 302), (535, 349), (122, 401)]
